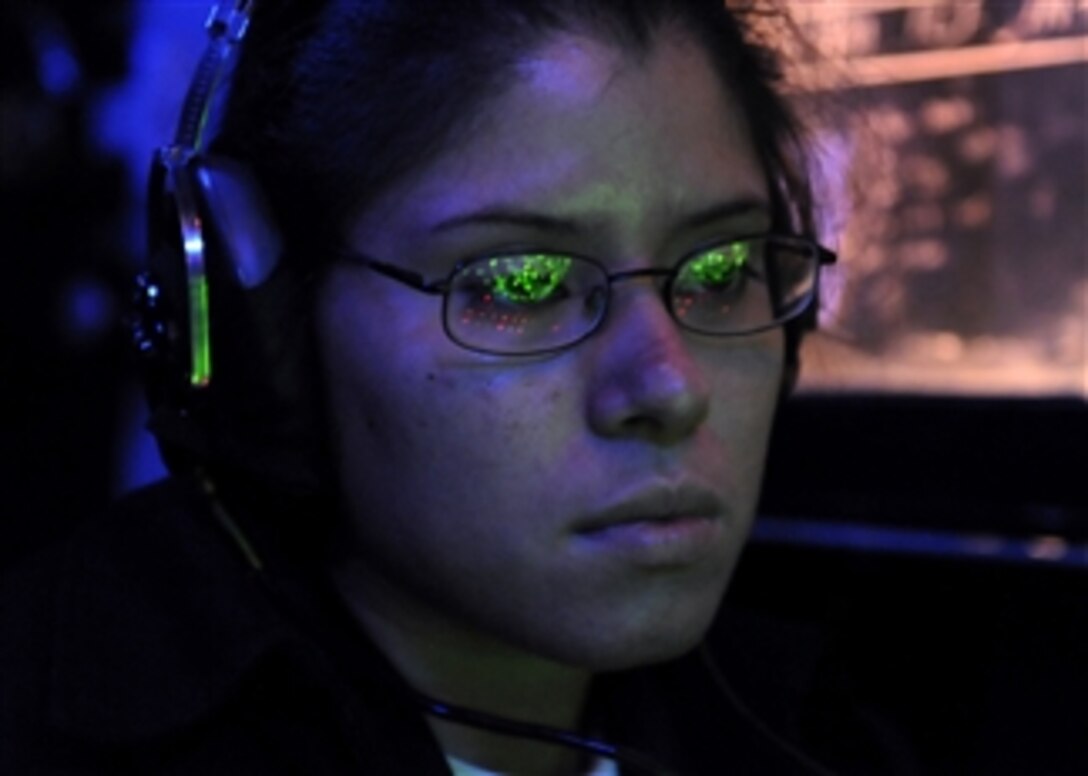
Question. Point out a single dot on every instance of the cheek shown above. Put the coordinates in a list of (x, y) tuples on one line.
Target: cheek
[(380, 393), (438, 467), (410, 424), (506, 427), (748, 372), (746, 385)]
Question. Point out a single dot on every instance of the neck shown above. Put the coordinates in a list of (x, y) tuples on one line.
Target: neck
[(462, 666)]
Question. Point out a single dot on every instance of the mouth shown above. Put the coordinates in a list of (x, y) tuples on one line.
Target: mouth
[(661, 526), (655, 506)]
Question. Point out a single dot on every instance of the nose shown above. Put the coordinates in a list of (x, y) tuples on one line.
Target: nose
[(646, 382)]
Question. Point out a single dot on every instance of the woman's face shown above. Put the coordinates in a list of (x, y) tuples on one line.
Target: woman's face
[(586, 506)]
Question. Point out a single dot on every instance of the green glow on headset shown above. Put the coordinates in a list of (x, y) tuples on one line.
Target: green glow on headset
[(530, 278), (199, 340), (719, 266)]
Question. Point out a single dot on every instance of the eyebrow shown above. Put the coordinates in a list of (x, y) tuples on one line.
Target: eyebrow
[(509, 216), (725, 211), (503, 216)]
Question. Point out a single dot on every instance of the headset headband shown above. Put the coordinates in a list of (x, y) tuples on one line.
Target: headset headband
[(226, 25)]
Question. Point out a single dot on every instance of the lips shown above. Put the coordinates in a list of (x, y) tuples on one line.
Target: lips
[(658, 503)]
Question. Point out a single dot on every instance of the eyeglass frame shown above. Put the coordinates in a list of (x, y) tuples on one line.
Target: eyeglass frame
[(821, 256)]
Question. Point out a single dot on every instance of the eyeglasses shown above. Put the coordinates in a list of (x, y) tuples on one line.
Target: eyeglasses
[(535, 302)]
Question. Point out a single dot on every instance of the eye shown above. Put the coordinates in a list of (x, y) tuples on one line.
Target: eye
[(529, 279), (717, 268)]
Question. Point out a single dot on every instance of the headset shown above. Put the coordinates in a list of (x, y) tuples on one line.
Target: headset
[(197, 327), (196, 194), (224, 373)]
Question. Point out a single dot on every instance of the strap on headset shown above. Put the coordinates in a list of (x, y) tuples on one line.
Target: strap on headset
[(227, 24)]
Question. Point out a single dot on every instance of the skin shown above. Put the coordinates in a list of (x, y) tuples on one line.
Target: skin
[(466, 476)]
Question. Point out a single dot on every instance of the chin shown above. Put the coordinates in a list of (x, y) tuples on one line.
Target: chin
[(658, 649), (652, 636)]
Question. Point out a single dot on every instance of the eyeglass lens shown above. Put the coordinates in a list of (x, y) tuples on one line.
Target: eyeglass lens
[(534, 302)]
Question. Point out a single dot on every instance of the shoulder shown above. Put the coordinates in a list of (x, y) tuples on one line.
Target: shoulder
[(104, 638), (98, 555)]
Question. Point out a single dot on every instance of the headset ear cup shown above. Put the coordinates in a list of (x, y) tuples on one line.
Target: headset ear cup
[(223, 321), (158, 317), (258, 414)]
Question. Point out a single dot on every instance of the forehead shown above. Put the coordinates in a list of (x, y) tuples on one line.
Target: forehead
[(571, 69), (589, 131)]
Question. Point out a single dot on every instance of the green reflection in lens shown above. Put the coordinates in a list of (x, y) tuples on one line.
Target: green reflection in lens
[(718, 267), (529, 279)]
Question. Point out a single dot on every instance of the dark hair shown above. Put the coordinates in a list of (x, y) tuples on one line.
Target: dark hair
[(337, 100), (334, 101)]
